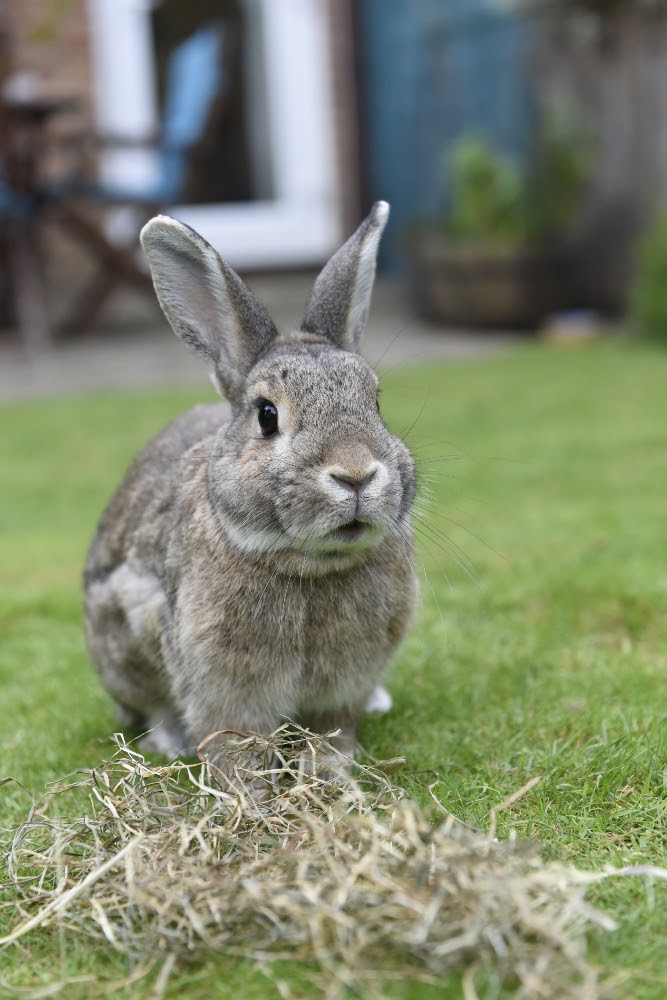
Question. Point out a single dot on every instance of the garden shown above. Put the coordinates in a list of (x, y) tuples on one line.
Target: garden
[(534, 676)]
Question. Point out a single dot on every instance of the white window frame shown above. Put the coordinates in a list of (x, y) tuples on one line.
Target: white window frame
[(302, 224)]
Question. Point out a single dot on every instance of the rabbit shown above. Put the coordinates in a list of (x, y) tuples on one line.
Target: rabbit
[(256, 564)]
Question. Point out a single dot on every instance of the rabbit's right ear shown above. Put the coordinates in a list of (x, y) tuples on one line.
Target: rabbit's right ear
[(339, 302), (208, 306)]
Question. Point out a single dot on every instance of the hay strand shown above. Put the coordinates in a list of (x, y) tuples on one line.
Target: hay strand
[(268, 859)]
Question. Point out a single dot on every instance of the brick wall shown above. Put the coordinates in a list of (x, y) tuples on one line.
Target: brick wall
[(49, 38)]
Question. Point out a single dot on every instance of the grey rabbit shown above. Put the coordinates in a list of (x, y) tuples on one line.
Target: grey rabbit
[(255, 565)]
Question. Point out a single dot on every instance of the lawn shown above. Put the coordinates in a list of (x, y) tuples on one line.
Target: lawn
[(540, 647)]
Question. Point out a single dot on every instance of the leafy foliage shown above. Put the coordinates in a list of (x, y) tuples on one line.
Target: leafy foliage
[(493, 198), (648, 301), (487, 193)]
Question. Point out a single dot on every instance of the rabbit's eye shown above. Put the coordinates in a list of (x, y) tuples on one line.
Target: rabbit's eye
[(267, 417)]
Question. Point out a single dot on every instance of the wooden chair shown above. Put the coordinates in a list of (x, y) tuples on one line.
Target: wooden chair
[(21, 289), (196, 85)]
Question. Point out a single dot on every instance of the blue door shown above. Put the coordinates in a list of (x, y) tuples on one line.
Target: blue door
[(431, 70)]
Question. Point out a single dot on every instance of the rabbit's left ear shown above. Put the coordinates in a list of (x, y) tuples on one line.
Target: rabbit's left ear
[(339, 302), (208, 306)]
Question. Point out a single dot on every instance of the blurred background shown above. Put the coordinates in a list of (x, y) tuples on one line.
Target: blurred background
[(522, 146)]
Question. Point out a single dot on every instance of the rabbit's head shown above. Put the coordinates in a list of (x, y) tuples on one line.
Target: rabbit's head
[(305, 469)]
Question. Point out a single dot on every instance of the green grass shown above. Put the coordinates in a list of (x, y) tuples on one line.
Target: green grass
[(540, 647)]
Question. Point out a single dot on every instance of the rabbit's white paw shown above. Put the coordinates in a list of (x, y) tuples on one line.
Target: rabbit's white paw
[(165, 736), (379, 700)]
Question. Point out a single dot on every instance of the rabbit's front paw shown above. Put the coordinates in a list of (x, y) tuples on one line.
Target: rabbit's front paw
[(166, 736), (379, 700)]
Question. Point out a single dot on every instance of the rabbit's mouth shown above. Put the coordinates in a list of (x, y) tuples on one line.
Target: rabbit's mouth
[(349, 532)]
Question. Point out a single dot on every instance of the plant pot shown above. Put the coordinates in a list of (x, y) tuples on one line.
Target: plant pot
[(485, 285)]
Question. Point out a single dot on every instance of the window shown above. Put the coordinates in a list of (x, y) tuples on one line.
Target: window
[(279, 202)]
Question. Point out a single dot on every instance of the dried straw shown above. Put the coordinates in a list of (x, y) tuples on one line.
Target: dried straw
[(272, 860)]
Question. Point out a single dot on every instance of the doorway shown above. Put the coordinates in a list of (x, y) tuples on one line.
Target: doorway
[(268, 193)]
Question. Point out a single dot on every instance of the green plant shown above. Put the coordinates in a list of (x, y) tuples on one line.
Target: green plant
[(487, 192), (559, 170), (648, 299), (494, 199)]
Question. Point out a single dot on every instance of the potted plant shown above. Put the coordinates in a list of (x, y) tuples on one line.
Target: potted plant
[(501, 256)]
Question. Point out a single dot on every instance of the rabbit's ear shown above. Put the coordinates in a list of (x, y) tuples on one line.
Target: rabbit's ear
[(340, 299), (208, 306)]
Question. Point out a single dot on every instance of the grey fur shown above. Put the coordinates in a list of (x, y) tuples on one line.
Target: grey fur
[(221, 590), (340, 300), (200, 295)]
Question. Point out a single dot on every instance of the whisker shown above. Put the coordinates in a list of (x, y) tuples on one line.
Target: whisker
[(446, 545), (463, 527), (404, 533), (399, 333), (414, 423), (420, 510), (260, 599)]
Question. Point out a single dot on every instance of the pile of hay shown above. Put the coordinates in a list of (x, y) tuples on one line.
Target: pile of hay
[(350, 876)]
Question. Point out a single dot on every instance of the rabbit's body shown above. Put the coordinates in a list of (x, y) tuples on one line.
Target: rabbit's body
[(241, 577)]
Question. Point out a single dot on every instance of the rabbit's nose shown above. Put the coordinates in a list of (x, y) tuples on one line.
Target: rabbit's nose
[(353, 480)]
